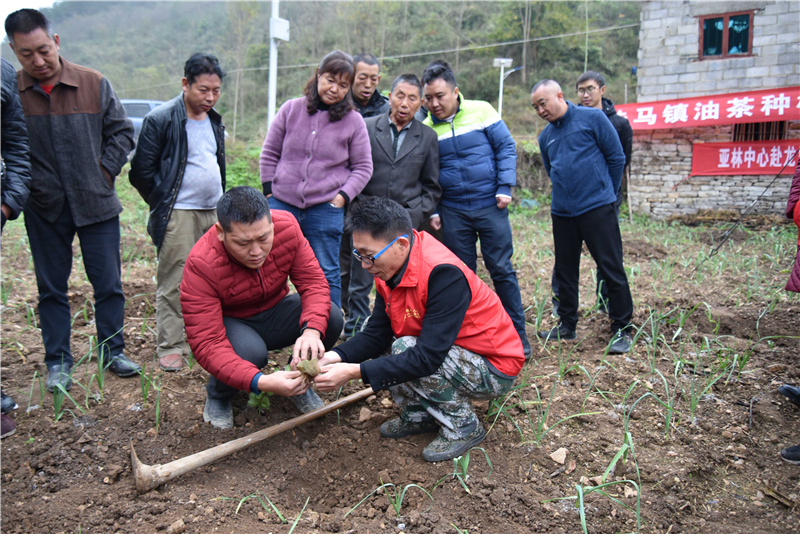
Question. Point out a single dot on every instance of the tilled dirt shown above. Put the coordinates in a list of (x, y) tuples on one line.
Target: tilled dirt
[(717, 473)]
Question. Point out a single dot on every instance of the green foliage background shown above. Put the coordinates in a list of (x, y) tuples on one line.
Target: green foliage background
[(141, 47)]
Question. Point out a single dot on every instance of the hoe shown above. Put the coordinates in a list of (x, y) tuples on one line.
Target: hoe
[(151, 476)]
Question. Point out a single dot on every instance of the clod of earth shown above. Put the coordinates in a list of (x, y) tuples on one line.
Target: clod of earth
[(310, 368)]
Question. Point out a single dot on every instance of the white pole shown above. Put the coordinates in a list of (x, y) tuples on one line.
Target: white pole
[(273, 70), (500, 100)]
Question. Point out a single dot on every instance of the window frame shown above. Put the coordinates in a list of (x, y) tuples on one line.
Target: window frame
[(725, 21)]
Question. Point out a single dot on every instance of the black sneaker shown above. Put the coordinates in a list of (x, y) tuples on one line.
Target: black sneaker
[(7, 404), (218, 412), (308, 401), (59, 374), (620, 343), (790, 392), (400, 428), (441, 448), (557, 332), (121, 366), (791, 455)]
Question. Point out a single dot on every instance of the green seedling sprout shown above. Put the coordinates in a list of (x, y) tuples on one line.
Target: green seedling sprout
[(297, 519), (397, 497), (261, 498), (260, 402), (58, 402), (461, 466), (458, 530)]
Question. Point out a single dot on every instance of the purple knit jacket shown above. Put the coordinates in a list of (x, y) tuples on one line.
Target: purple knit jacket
[(309, 160)]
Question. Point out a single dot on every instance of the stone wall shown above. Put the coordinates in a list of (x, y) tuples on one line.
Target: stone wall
[(669, 67), (669, 64), (662, 160)]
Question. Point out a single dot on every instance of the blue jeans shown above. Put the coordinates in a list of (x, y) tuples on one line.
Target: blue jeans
[(322, 225), (51, 248), (461, 231)]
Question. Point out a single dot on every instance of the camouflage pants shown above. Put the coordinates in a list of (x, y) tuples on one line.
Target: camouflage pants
[(445, 395)]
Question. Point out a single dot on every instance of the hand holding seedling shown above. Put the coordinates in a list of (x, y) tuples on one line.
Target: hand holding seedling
[(308, 345), (285, 383), (333, 376)]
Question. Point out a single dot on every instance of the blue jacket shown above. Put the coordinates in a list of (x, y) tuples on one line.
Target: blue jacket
[(584, 159), (477, 156)]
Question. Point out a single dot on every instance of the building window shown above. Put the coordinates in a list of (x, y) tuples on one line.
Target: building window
[(760, 131), (727, 35)]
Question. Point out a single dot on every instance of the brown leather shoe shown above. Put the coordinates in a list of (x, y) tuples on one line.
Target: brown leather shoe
[(171, 362)]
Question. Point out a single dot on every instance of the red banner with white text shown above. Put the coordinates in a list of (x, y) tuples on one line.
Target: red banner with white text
[(766, 105), (757, 157)]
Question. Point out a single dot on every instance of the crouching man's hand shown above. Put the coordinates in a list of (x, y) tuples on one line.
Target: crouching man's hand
[(334, 375), (308, 346), (284, 383)]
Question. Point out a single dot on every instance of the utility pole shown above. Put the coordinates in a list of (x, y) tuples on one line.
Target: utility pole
[(278, 30)]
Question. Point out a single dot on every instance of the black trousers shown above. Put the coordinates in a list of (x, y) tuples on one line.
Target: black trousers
[(599, 229), (273, 329), (602, 287), (51, 248)]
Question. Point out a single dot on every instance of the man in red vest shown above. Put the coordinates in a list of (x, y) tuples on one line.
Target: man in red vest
[(237, 307), (454, 340)]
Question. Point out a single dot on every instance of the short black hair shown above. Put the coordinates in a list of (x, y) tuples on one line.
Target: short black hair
[(25, 21), (410, 79), (382, 217), (591, 75), (200, 64), (242, 204), (368, 59), (546, 82), (439, 69)]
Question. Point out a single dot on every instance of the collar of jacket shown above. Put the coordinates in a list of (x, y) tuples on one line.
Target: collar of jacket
[(374, 102), (460, 101), (607, 106), (180, 110), (67, 76), (565, 117)]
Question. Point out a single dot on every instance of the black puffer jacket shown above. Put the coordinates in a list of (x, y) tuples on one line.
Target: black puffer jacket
[(622, 126), (160, 160), (16, 166), (377, 105)]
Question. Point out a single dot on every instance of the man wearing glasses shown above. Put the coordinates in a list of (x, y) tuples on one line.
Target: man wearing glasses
[(453, 340)]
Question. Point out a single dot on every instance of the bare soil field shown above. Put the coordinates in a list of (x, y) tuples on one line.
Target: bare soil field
[(681, 435)]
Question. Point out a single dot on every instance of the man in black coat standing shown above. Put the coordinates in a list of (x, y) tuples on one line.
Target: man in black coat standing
[(179, 169), (405, 160)]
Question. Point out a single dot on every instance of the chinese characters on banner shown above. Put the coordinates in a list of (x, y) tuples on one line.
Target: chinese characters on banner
[(767, 105), (757, 157)]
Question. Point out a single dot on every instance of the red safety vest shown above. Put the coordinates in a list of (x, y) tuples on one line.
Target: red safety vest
[(487, 329)]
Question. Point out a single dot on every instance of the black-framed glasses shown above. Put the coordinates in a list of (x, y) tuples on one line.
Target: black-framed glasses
[(370, 260)]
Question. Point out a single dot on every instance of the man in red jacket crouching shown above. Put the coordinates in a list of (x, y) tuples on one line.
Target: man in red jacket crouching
[(236, 303), (454, 340)]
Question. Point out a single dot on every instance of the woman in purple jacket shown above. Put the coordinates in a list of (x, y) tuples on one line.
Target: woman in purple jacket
[(317, 158)]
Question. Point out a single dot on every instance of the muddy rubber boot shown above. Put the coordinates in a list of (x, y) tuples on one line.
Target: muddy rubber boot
[(308, 401), (442, 448), (218, 412)]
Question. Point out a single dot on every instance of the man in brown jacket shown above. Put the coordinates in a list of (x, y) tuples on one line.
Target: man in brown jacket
[(79, 140)]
